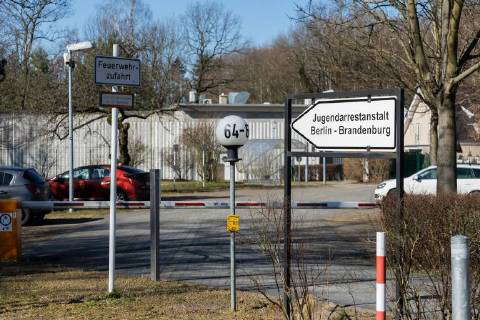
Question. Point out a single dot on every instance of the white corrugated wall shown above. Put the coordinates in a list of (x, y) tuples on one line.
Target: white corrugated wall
[(21, 144)]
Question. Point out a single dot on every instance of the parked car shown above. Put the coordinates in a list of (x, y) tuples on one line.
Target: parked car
[(24, 184), (425, 182), (93, 183)]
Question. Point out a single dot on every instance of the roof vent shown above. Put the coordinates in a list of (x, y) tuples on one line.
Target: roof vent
[(238, 97)]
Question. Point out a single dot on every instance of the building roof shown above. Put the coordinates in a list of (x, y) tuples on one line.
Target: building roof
[(265, 110)]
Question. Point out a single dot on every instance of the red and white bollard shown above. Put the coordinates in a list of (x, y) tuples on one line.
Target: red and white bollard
[(380, 276)]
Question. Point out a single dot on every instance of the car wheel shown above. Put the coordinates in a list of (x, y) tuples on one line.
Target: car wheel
[(27, 217), (122, 195), (475, 193)]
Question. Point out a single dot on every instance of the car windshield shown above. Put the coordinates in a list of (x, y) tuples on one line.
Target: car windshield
[(132, 170)]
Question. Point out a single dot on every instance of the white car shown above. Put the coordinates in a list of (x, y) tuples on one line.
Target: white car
[(425, 181)]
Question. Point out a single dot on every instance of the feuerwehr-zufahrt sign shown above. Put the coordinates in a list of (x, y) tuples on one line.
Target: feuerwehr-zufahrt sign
[(117, 71), (349, 124)]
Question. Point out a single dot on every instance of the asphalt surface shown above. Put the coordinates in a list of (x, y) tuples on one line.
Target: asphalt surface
[(194, 246)]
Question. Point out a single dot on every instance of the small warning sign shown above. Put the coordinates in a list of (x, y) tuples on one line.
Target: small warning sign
[(6, 222), (233, 223)]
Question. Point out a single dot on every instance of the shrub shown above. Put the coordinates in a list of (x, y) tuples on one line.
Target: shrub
[(378, 169), (418, 248)]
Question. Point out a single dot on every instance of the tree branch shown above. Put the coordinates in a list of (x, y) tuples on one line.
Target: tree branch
[(62, 137), (466, 73), (467, 54)]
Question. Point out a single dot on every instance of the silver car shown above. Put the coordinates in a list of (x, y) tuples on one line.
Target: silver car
[(24, 184)]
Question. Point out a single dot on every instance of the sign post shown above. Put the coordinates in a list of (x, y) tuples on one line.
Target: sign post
[(366, 124), (124, 72), (232, 132), (113, 189)]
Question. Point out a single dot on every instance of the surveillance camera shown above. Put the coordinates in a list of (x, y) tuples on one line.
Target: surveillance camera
[(66, 58)]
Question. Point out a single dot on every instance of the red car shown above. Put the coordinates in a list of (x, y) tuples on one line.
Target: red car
[(93, 183)]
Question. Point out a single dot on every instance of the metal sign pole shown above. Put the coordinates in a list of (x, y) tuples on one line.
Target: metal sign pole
[(287, 210), (386, 101), (232, 132), (233, 273), (113, 189), (399, 166), (70, 133)]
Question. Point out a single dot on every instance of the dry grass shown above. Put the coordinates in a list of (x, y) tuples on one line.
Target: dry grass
[(73, 294), (78, 214), (48, 292)]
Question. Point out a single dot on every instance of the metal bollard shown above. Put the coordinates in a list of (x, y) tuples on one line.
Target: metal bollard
[(154, 224), (460, 278), (380, 277)]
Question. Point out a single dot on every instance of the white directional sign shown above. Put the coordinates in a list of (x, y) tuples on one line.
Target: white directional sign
[(118, 100), (356, 124), (117, 71)]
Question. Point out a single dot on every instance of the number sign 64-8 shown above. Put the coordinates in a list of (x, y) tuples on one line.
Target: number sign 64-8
[(232, 131)]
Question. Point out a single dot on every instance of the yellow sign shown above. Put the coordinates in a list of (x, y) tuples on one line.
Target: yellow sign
[(233, 223)]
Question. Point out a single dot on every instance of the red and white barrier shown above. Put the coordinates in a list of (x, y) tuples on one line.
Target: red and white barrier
[(62, 205), (380, 276)]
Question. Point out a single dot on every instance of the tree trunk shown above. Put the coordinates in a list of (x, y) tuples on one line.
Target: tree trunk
[(447, 145), (433, 137), (124, 156)]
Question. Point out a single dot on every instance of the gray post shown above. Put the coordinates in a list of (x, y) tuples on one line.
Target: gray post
[(460, 278), (70, 133), (324, 168), (306, 166), (155, 224), (203, 164), (233, 275)]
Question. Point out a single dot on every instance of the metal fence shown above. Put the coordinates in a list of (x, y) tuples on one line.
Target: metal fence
[(23, 143)]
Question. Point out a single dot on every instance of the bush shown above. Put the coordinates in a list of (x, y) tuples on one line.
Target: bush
[(419, 244), (198, 135), (379, 169)]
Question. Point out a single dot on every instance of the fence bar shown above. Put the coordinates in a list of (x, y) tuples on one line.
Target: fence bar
[(78, 205), (154, 224), (380, 276), (460, 278)]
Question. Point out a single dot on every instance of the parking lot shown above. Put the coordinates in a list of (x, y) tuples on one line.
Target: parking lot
[(194, 245)]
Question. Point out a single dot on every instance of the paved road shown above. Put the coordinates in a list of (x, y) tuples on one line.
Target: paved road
[(195, 246)]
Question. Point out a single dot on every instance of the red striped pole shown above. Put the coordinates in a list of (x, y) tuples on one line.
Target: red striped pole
[(380, 276)]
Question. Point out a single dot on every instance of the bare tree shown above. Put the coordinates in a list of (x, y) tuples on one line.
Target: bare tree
[(200, 139), (210, 33), (27, 21), (269, 73), (427, 39), (156, 44)]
